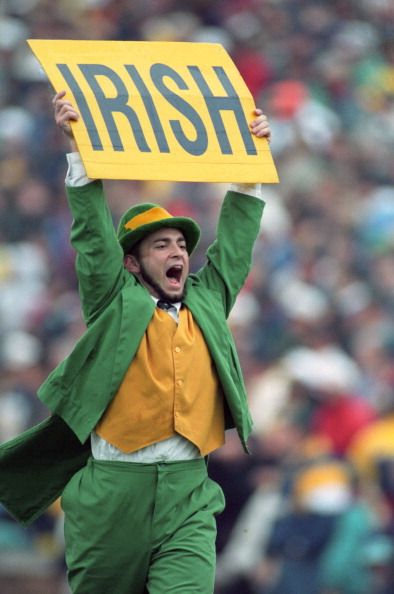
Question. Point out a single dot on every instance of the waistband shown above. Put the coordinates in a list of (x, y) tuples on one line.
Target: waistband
[(196, 465)]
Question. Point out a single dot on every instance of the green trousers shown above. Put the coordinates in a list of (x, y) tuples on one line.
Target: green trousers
[(141, 528)]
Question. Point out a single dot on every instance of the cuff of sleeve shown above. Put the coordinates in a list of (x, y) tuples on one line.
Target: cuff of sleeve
[(76, 173), (248, 189)]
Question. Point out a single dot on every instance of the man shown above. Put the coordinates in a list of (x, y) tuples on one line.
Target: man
[(147, 393)]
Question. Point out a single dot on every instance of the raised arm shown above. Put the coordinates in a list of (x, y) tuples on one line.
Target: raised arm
[(99, 262), (230, 255)]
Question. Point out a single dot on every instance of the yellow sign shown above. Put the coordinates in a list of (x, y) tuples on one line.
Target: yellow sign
[(164, 111)]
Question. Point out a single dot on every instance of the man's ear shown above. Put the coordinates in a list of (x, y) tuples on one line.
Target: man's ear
[(131, 263)]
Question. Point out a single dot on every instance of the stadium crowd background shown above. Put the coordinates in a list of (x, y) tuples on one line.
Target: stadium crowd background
[(312, 510)]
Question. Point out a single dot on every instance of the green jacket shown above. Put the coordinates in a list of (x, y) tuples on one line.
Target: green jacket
[(117, 310)]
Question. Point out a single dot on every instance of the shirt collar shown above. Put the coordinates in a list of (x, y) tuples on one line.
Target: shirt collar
[(176, 305)]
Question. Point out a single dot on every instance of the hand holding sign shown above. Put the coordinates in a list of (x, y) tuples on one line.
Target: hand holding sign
[(169, 111), (260, 127), (65, 113)]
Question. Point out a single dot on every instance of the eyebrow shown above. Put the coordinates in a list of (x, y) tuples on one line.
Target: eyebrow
[(168, 239)]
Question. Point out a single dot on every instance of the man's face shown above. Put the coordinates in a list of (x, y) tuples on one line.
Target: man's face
[(162, 264)]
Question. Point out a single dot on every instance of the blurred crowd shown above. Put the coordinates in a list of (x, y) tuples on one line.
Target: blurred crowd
[(312, 510)]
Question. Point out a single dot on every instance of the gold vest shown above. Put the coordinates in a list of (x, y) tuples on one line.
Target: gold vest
[(170, 387)]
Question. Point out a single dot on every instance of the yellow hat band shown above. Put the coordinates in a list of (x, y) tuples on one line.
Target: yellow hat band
[(149, 216)]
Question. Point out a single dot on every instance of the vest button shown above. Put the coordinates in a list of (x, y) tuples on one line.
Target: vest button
[(179, 382), (177, 349)]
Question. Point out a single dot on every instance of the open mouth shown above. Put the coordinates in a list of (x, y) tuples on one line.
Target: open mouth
[(174, 274)]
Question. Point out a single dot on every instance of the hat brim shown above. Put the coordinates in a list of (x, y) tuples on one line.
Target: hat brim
[(189, 228)]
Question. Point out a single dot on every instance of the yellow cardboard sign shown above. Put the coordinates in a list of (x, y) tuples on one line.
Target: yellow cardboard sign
[(158, 110)]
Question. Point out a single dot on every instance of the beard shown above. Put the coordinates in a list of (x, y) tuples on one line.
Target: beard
[(160, 292)]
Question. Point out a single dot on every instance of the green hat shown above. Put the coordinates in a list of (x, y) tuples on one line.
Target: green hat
[(142, 219)]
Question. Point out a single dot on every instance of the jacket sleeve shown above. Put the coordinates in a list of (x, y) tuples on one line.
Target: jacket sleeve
[(99, 261), (229, 257)]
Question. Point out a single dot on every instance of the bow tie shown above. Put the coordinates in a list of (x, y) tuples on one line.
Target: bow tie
[(164, 305)]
